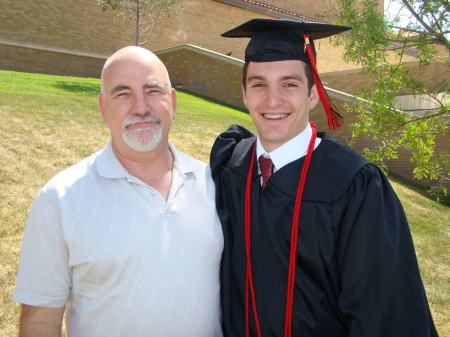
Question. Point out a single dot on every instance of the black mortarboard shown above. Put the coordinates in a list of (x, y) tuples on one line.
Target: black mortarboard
[(280, 40)]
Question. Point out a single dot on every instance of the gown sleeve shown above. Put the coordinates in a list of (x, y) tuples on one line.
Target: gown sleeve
[(382, 291), (228, 195), (229, 174), (224, 146)]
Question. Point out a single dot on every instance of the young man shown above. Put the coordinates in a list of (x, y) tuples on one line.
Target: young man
[(127, 241), (320, 248)]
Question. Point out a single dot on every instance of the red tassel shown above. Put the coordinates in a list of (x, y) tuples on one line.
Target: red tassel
[(249, 289), (294, 234), (333, 116)]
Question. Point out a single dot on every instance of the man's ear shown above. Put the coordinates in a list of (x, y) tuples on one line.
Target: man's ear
[(101, 106), (244, 95), (173, 96), (313, 97)]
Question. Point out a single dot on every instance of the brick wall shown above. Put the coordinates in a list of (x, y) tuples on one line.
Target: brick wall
[(39, 61), (401, 166), (208, 73), (309, 8), (219, 77), (80, 26), (73, 25), (64, 37), (351, 80)]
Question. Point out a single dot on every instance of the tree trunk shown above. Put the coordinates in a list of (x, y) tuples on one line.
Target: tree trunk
[(138, 7)]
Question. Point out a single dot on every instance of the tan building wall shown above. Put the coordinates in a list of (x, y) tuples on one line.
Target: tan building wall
[(192, 68), (25, 59), (401, 166), (204, 72), (72, 25), (310, 8), (74, 38), (64, 27), (352, 80)]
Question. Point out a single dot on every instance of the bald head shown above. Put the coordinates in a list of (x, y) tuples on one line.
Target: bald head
[(137, 102), (129, 55)]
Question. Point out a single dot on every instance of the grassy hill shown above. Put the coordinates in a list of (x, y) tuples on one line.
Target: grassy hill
[(51, 122)]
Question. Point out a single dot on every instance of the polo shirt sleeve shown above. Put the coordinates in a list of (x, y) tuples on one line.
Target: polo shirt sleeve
[(43, 277)]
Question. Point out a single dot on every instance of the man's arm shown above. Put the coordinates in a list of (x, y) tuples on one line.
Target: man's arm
[(40, 321)]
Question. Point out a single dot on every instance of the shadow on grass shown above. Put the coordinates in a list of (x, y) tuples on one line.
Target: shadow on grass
[(87, 88), (422, 190)]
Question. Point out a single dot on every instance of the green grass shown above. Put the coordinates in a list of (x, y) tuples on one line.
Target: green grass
[(51, 122)]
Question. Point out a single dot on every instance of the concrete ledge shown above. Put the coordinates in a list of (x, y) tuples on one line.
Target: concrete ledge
[(52, 49), (202, 51)]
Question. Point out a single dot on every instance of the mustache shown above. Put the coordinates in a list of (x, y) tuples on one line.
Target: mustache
[(141, 119)]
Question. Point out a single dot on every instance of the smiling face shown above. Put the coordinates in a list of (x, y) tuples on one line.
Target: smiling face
[(137, 102), (279, 100)]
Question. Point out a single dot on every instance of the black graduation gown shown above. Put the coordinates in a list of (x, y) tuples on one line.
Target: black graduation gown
[(357, 273)]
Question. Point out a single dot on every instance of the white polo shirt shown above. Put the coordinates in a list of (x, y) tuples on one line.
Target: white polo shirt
[(125, 261)]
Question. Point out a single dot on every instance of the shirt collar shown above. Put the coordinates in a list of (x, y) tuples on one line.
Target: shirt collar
[(109, 166), (182, 162), (290, 151)]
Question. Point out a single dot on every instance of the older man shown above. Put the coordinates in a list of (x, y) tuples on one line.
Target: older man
[(126, 242)]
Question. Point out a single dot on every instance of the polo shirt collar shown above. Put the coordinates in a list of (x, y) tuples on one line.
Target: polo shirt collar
[(182, 162), (109, 166)]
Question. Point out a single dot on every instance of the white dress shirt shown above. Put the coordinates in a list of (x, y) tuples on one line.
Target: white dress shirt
[(290, 151)]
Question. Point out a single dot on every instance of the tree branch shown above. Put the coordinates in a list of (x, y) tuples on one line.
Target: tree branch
[(439, 36), (437, 114)]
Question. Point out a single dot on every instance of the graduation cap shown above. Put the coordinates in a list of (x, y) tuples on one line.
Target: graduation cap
[(281, 40)]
